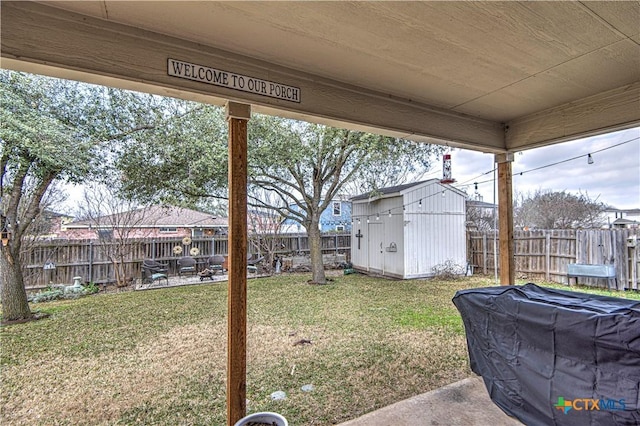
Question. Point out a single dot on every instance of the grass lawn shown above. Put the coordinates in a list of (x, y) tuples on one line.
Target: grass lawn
[(158, 357)]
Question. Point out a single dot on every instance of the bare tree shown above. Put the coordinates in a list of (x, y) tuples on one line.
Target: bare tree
[(481, 218), (265, 226), (546, 209), (43, 226), (118, 225)]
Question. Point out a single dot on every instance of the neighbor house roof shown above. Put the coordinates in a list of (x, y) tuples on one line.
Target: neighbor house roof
[(481, 204), (158, 216), (631, 212), (624, 221)]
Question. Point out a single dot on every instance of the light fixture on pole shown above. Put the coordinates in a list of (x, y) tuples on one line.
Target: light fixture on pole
[(6, 234), (589, 159)]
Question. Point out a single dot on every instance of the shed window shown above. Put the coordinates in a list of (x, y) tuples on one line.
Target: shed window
[(169, 229), (337, 208), (340, 228)]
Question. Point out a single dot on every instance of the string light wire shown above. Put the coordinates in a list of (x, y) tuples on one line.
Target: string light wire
[(493, 179)]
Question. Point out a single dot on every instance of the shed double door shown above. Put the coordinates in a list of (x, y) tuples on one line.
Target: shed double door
[(376, 247)]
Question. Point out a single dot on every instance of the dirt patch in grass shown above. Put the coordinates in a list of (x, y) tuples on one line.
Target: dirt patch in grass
[(100, 389)]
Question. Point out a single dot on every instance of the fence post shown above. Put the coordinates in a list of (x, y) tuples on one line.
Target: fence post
[(90, 260), (547, 254), (484, 253), (153, 249)]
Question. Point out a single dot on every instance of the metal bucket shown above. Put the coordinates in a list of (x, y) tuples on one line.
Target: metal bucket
[(271, 419)]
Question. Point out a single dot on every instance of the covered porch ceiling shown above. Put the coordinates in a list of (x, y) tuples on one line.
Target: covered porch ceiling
[(490, 76)]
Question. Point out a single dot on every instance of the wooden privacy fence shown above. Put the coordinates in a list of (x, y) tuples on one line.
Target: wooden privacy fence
[(58, 261), (540, 255), (545, 254)]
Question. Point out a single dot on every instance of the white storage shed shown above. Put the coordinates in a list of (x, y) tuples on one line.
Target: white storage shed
[(406, 230)]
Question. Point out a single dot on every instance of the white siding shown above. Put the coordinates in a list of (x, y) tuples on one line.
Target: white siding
[(435, 232), (424, 235)]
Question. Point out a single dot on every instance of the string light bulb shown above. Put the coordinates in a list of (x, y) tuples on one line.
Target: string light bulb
[(367, 219), (589, 159), (420, 203), (443, 192), (377, 216), (389, 213)]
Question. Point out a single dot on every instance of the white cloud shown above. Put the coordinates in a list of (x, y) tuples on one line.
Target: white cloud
[(613, 178)]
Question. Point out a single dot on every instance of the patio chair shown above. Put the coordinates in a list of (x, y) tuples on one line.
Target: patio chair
[(186, 265), (153, 271), (252, 263), (216, 263)]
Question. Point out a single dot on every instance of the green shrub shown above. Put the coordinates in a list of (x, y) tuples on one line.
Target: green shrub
[(57, 293)]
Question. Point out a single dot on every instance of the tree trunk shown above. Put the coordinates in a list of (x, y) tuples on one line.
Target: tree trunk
[(315, 246), (13, 293), (118, 273)]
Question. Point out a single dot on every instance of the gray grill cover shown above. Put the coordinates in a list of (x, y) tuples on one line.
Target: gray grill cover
[(534, 345)]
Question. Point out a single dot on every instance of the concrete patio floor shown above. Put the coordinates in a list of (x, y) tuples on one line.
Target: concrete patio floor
[(464, 403), (177, 281)]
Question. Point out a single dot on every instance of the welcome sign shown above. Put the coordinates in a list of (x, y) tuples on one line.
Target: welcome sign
[(244, 83)]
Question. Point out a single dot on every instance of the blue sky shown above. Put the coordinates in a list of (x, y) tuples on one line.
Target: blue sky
[(613, 178)]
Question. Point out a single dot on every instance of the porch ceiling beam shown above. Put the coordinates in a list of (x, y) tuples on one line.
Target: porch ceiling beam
[(616, 109), (40, 38)]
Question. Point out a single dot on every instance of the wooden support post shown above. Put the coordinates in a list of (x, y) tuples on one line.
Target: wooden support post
[(505, 219), (237, 117)]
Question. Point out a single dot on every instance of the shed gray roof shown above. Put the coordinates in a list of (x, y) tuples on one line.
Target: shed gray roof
[(398, 189), (386, 191)]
